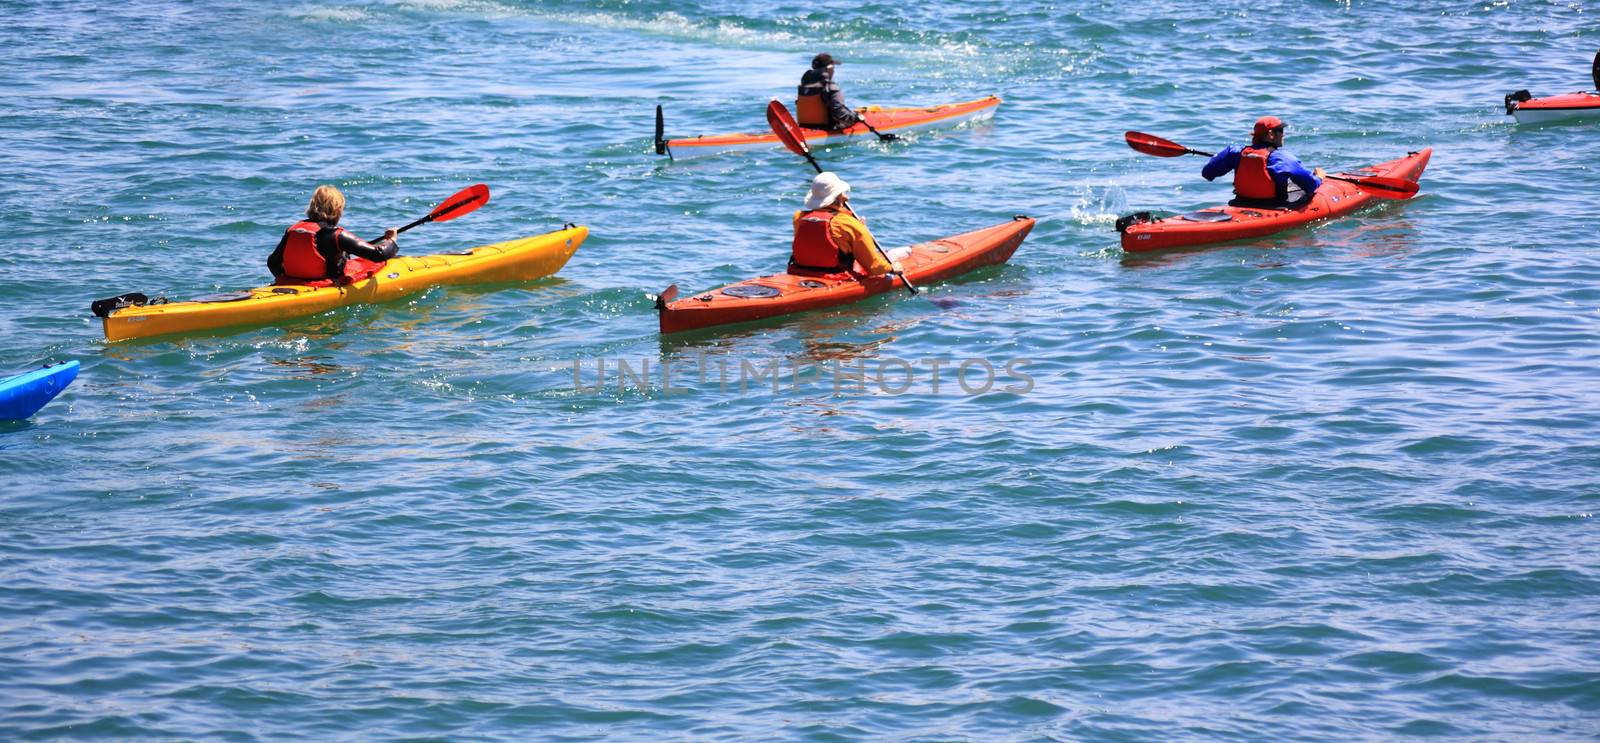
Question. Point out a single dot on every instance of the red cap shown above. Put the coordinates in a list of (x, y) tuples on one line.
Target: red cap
[(1267, 123)]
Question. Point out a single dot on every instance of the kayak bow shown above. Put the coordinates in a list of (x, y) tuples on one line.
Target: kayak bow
[(24, 394)]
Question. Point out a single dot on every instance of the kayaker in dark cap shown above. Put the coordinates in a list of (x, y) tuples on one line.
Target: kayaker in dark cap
[(317, 248), (820, 104), (1264, 174)]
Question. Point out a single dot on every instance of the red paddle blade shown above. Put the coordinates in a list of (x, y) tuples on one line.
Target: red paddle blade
[(463, 203), (783, 125), (1150, 144), (1385, 187)]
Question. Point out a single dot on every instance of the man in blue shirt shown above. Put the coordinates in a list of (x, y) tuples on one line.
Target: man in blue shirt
[(1263, 172)]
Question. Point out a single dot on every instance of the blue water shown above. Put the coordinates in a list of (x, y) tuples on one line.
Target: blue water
[(1335, 484)]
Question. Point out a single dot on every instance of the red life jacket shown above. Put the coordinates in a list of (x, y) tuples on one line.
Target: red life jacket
[(301, 258), (810, 103), (814, 248), (811, 112), (1252, 180)]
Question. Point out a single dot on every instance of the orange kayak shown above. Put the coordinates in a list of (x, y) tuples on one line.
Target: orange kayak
[(785, 293), (899, 120), (1224, 223)]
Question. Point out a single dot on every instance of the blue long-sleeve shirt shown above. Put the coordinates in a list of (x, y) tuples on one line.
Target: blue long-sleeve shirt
[(1283, 166)]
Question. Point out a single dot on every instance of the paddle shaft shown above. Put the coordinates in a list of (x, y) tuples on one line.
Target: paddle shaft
[(881, 136), (440, 212), (417, 223), (875, 246), (806, 151), (1383, 187), (812, 160), (1357, 181)]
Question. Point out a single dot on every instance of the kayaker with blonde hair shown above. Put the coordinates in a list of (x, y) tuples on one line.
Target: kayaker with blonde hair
[(829, 238), (317, 248), (1264, 171)]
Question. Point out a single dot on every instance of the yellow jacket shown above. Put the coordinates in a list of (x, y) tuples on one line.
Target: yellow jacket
[(851, 234)]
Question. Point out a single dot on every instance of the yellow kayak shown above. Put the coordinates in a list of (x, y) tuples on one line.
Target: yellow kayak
[(514, 260)]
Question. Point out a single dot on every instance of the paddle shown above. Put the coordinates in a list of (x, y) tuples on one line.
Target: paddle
[(1381, 186), (1594, 72), (788, 131), (466, 201), (783, 125), (661, 135), (862, 117)]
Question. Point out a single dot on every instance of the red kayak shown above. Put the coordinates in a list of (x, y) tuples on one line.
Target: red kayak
[(1218, 224), (784, 293)]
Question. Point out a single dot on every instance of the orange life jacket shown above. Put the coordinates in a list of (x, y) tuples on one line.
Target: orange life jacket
[(814, 248), (1252, 180), (301, 257), (811, 112)]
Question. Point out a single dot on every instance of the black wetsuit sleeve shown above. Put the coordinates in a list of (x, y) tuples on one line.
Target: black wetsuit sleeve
[(275, 261), (380, 251), (837, 110)]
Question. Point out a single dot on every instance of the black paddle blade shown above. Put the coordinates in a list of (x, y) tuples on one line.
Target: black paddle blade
[(1594, 71), (661, 132), (1512, 99)]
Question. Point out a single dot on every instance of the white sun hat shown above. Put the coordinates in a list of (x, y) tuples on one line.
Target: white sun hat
[(825, 188)]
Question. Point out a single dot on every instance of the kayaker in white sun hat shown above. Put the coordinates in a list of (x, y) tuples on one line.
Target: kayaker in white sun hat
[(829, 238)]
